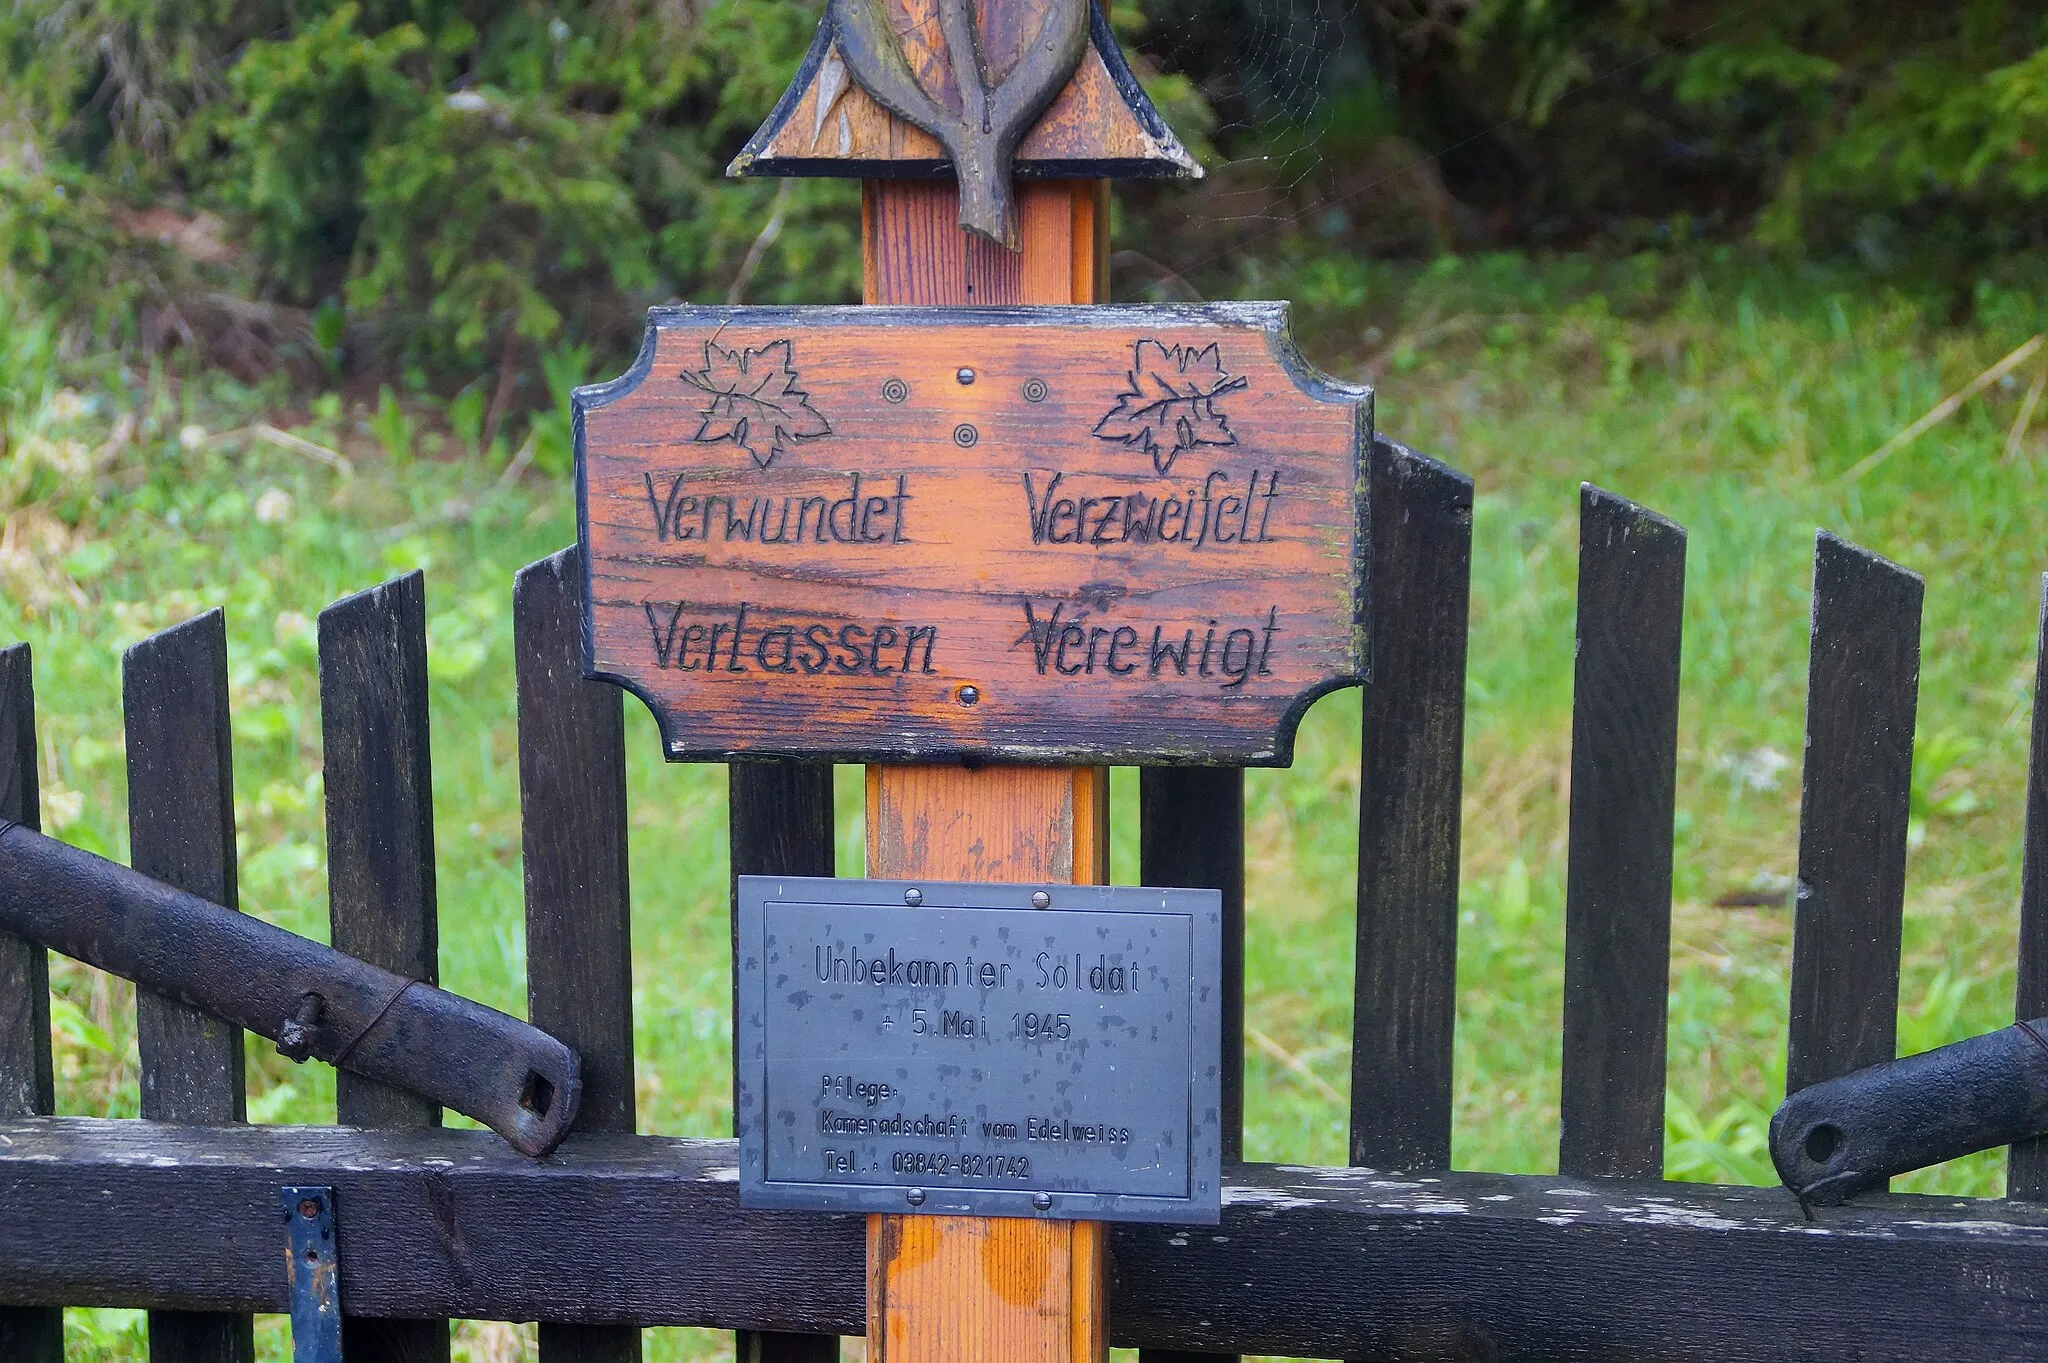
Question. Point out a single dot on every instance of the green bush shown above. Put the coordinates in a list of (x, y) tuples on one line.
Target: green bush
[(406, 184), (429, 190)]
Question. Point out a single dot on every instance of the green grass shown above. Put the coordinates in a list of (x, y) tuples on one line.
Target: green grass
[(1728, 395)]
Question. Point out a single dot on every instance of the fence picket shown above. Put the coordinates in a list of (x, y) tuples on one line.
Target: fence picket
[(1863, 682), (31, 1334), (1617, 964), (1408, 810), (779, 821), (572, 816), (2026, 1171), (380, 857), (1191, 833), (181, 830)]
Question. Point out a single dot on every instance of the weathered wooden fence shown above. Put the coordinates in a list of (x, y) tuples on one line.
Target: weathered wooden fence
[(1396, 1257)]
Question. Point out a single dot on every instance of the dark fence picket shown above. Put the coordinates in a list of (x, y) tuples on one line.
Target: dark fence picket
[(1617, 964), (1191, 833), (2026, 1172), (380, 858), (30, 1334), (1408, 812), (572, 815), (181, 830), (779, 821), (1863, 683)]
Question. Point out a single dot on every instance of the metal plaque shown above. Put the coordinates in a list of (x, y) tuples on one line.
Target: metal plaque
[(980, 1050)]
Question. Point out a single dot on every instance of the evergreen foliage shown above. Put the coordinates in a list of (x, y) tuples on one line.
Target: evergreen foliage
[(432, 189)]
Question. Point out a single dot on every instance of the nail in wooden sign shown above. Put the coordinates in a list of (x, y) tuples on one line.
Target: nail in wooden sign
[(1056, 534)]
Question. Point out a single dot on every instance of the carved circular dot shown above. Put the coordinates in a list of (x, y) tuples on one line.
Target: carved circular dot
[(964, 374), (965, 436), (894, 390), (1035, 390), (1821, 1143), (970, 695)]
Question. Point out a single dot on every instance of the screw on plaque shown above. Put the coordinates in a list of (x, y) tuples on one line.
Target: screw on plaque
[(1042, 1201), (965, 375), (915, 1197), (1040, 899), (970, 695), (913, 897)]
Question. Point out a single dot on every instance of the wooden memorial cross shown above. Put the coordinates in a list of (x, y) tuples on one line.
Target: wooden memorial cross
[(984, 548)]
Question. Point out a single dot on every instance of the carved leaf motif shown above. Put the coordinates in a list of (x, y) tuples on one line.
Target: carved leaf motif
[(754, 401), (1170, 406)]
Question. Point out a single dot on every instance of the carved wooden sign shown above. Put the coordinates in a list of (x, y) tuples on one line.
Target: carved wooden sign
[(1128, 534)]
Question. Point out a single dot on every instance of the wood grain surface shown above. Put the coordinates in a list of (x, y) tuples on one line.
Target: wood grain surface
[(1411, 750), (572, 820), (30, 1334), (1101, 125), (961, 1289), (1617, 905), (1862, 690), (1011, 534), (1307, 1263), (973, 1288), (181, 830), (380, 860), (2026, 1171)]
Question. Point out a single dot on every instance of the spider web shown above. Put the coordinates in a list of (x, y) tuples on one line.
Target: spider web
[(1273, 70)]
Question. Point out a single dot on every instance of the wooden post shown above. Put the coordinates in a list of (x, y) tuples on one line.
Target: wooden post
[(950, 1288)]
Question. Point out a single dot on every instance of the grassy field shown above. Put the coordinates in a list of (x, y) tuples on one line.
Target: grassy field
[(1732, 396)]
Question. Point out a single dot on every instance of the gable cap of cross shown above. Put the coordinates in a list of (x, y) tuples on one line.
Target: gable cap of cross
[(1036, 89)]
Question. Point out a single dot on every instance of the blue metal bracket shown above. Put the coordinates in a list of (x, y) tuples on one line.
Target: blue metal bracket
[(313, 1272)]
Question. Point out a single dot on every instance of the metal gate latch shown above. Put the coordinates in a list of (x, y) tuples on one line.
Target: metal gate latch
[(313, 1272)]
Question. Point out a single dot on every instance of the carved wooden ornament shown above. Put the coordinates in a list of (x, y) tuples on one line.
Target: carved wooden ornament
[(895, 88), (1101, 534)]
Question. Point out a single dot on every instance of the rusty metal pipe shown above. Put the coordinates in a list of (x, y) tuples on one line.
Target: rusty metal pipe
[(309, 998), (1849, 1134)]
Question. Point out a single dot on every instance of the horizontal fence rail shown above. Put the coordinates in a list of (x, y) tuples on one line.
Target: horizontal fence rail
[(1317, 1262), (1396, 1257)]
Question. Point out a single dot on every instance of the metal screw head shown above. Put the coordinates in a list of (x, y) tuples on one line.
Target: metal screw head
[(914, 1196), (970, 695), (1042, 1201), (965, 375), (913, 897), (1040, 899)]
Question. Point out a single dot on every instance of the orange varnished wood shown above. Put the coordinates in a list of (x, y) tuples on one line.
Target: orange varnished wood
[(916, 253), (962, 1289), (958, 1289), (967, 1289), (1001, 544)]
